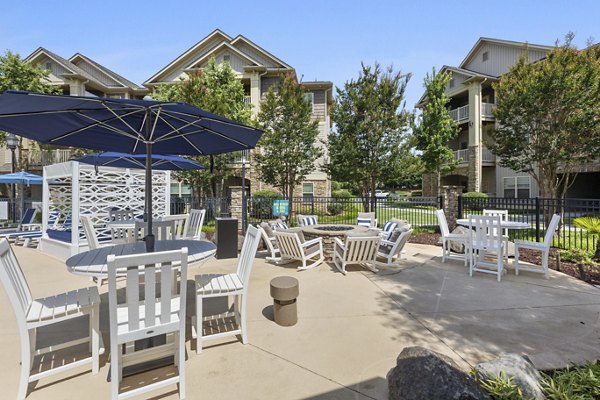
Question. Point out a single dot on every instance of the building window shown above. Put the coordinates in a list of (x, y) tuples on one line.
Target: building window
[(451, 83), (485, 56), (308, 190), (517, 187), (227, 58), (310, 97), (48, 66)]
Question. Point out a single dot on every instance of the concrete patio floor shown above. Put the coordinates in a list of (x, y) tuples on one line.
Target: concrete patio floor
[(350, 329)]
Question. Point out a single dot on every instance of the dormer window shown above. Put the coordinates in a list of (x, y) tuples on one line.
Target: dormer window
[(484, 56), (451, 83)]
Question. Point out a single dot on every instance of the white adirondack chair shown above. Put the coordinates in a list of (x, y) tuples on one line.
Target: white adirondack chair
[(120, 235), (355, 250), (366, 219), (392, 249), (485, 240), (32, 314), (218, 285), (193, 225), (304, 220), (543, 247), (447, 237), (270, 242), (179, 221), (293, 249), (162, 230), (157, 310)]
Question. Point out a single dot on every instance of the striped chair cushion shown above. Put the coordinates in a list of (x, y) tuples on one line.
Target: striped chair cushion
[(310, 221), (282, 225), (388, 228), (364, 222)]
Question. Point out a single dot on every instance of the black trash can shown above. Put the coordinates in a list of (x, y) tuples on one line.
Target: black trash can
[(226, 234)]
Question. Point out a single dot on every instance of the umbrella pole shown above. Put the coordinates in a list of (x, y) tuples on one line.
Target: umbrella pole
[(149, 235)]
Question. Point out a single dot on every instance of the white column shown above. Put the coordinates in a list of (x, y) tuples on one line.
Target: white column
[(255, 92)]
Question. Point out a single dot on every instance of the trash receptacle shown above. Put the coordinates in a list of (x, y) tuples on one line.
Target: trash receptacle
[(226, 232), (284, 290)]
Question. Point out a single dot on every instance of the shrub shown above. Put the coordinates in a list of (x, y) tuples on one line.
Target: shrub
[(502, 388), (478, 203), (262, 202), (577, 383), (335, 208), (341, 194)]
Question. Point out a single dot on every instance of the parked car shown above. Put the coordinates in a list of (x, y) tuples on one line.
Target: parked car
[(380, 194)]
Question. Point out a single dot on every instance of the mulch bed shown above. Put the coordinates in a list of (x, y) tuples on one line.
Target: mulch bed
[(534, 257)]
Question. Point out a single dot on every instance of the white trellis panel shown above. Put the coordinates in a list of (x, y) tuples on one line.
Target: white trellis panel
[(75, 189)]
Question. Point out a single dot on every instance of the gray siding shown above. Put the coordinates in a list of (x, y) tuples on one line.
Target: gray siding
[(458, 80), (237, 62), (55, 68), (503, 172), (100, 77), (266, 83), (207, 47), (319, 105), (500, 58)]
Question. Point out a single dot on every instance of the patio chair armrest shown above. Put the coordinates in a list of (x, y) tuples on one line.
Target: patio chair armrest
[(338, 242), (312, 242), (384, 242)]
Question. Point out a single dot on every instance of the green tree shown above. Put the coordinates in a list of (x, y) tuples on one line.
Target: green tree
[(17, 74), (289, 146), (367, 146), (435, 128), (548, 113), (216, 89)]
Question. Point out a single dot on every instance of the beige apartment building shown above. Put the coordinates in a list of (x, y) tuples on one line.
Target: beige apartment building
[(258, 70), (471, 102)]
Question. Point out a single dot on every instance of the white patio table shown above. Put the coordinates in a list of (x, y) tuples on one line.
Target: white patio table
[(92, 263), (503, 224)]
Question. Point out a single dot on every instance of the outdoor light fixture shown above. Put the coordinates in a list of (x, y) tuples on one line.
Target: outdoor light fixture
[(11, 142)]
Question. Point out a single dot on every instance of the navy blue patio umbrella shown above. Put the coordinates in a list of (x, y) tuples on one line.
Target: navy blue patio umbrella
[(138, 161), (124, 125)]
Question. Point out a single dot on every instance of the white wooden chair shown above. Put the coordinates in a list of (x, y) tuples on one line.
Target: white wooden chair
[(392, 249), (148, 309), (218, 285), (355, 250), (448, 237), (120, 235), (32, 314), (304, 220), (485, 240), (179, 221), (504, 217), (162, 230), (193, 225), (543, 247), (366, 219), (293, 249), (270, 241)]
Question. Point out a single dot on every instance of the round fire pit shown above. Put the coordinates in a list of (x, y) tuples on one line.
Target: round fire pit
[(328, 232)]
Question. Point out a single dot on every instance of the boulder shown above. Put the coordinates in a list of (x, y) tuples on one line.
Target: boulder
[(519, 369), (458, 247), (424, 374)]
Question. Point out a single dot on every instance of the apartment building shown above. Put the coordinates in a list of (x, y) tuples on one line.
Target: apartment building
[(471, 103), (258, 70)]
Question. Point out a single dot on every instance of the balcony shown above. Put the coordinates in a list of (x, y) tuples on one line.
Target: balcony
[(247, 100), (486, 156), (461, 114), (238, 157), (48, 157)]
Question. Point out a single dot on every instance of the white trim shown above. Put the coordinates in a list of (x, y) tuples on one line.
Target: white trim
[(217, 49), (261, 50)]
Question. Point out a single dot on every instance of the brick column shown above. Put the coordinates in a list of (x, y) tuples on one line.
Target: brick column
[(451, 194), (236, 204)]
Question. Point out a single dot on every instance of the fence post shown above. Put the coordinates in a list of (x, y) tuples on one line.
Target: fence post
[(450, 197), (460, 206), (236, 204), (537, 219)]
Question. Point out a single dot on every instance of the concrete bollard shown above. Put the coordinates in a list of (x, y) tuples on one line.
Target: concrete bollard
[(284, 290)]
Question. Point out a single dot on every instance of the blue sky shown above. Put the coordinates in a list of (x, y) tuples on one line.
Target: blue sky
[(323, 40)]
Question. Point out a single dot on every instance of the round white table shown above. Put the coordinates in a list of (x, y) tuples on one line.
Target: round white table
[(93, 262), (503, 224)]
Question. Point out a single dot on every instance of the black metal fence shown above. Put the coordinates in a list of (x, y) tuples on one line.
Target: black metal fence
[(11, 210), (215, 206), (537, 212)]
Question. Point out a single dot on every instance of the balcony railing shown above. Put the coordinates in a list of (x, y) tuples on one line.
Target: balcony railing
[(486, 156), (247, 100), (239, 156), (48, 157), (461, 114)]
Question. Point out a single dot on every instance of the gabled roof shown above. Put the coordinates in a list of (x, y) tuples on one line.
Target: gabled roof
[(484, 40), (185, 61), (102, 69), (241, 38), (66, 64), (205, 57)]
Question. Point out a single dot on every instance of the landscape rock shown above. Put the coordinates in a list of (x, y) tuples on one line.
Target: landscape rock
[(421, 373), (519, 369), (457, 247)]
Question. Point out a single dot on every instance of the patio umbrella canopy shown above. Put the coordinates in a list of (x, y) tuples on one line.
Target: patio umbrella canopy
[(125, 125), (21, 178), (125, 160)]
